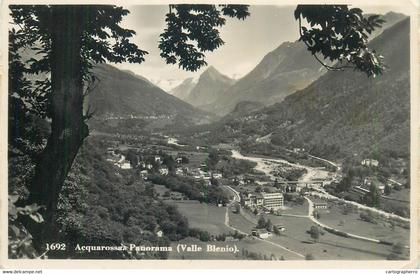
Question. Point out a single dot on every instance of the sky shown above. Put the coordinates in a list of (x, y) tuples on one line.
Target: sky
[(246, 42)]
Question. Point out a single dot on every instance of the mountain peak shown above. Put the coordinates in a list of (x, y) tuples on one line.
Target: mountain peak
[(212, 72), (210, 87)]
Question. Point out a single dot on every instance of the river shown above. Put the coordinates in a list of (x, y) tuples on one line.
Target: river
[(267, 165)]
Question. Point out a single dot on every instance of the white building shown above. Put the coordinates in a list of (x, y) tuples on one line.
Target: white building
[(144, 174), (261, 233), (273, 200), (158, 159), (163, 171), (370, 162), (217, 175), (179, 171), (125, 165)]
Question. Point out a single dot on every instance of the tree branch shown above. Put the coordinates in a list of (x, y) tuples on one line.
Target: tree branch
[(315, 56)]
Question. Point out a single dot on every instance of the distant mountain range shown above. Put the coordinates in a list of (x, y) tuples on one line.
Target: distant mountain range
[(209, 87), (124, 94), (288, 68), (343, 113), (183, 90)]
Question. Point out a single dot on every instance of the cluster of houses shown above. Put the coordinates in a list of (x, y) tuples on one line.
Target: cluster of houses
[(203, 173), (156, 164), (118, 159)]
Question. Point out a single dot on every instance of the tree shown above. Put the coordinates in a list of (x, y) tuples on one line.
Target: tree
[(212, 159), (314, 232), (388, 189), (276, 231), (373, 197), (398, 248), (70, 39), (268, 225), (309, 257), (237, 208), (341, 35), (261, 222), (67, 35)]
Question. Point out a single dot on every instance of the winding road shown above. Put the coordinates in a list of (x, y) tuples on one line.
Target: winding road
[(237, 198)]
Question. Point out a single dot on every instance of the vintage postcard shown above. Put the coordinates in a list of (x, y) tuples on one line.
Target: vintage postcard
[(270, 134)]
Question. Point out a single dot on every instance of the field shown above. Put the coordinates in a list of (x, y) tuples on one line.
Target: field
[(352, 223), (403, 194), (206, 217), (248, 244), (329, 246), (295, 208)]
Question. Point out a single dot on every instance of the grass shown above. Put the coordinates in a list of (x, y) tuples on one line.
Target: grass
[(206, 217), (351, 223), (403, 194), (295, 208), (329, 247), (249, 244), (161, 189)]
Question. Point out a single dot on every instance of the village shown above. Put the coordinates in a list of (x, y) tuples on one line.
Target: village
[(261, 203)]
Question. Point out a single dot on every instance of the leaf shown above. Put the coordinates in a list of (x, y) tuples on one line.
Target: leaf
[(13, 198), (37, 217)]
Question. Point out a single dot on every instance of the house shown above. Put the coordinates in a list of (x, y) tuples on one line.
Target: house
[(298, 149), (370, 163), (281, 228), (261, 233), (247, 202), (176, 196), (217, 175), (163, 171), (179, 171), (125, 165), (253, 200), (259, 199), (320, 205), (159, 234), (158, 159), (231, 239), (272, 201), (178, 160), (144, 174), (149, 166)]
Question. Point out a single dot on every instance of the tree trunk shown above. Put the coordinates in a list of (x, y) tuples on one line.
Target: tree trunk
[(68, 129)]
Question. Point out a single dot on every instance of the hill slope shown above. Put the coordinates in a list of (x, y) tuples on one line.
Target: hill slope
[(121, 94), (343, 113), (182, 91)]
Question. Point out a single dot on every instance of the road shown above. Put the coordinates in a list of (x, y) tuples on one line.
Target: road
[(323, 194), (237, 198)]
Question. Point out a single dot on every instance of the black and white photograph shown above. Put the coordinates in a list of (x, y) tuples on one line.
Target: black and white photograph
[(210, 132)]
